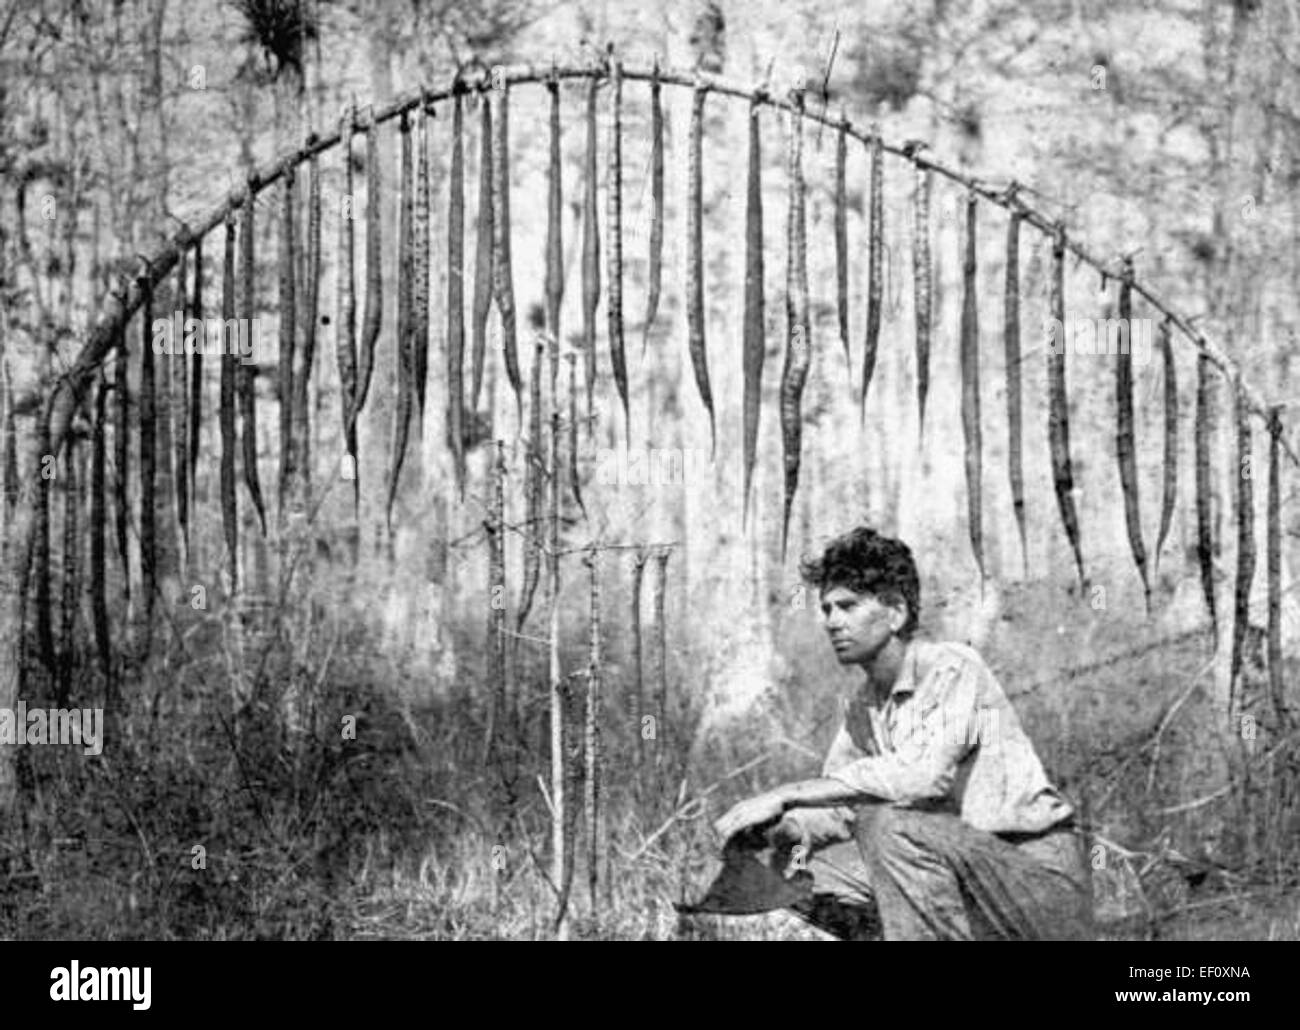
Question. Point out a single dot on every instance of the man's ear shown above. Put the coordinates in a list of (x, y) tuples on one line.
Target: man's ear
[(898, 617)]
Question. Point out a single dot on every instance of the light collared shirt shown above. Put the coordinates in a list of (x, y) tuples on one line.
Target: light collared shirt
[(947, 739)]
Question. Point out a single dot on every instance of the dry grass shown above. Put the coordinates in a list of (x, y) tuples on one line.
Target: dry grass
[(395, 834)]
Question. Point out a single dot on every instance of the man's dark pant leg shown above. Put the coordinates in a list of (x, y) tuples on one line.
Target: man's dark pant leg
[(842, 902), (918, 875), (935, 877)]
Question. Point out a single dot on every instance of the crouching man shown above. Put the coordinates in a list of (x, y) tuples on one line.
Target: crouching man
[(933, 817)]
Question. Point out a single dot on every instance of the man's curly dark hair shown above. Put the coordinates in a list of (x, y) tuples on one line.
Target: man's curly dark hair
[(866, 561)]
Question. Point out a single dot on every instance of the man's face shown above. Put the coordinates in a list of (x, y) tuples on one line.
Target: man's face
[(859, 624)]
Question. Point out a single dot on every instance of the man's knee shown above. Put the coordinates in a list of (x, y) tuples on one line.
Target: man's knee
[(880, 829)]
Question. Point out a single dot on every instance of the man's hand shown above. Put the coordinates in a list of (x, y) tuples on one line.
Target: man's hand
[(788, 833), (752, 813)]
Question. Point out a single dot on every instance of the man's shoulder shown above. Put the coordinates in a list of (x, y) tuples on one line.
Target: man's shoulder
[(934, 656)]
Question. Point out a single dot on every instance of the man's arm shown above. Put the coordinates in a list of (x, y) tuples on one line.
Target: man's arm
[(813, 826), (929, 748), (822, 792), (930, 744), (820, 822), (817, 824)]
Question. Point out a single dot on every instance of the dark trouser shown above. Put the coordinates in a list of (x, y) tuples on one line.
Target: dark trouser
[(911, 875)]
